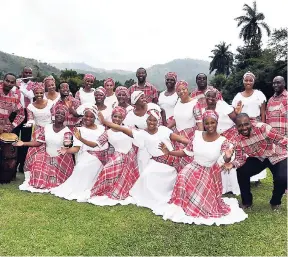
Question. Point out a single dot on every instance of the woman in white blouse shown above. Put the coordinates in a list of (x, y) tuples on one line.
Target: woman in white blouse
[(86, 94), (111, 100)]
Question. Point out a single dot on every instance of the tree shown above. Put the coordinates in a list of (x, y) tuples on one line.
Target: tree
[(66, 74), (252, 24), (279, 43), (129, 83), (222, 59)]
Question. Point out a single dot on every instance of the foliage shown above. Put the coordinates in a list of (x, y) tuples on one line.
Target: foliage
[(129, 83), (252, 24), (279, 43), (222, 59)]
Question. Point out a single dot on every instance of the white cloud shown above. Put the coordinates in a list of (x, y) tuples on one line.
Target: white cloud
[(125, 34)]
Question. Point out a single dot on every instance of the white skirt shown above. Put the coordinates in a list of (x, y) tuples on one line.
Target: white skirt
[(230, 182), (104, 200), (176, 214), (257, 177), (154, 186), (78, 185)]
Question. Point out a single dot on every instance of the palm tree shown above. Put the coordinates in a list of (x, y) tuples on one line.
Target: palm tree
[(252, 22), (222, 59)]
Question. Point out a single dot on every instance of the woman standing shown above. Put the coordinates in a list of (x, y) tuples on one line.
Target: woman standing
[(52, 94), (89, 160), (253, 103), (122, 95), (86, 94), (48, 169), (196, 197), (168, 98), (111, 99), (121, 171)]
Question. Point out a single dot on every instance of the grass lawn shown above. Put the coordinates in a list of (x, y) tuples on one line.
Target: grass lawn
[(36, 224)]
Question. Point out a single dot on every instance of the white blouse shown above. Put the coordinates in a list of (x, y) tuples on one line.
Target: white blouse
[(111, 101), (205, 153), (87, 98), (224, 122), (183, 115), (251, 104), (168, 103), (53, 101), (120, 141), (43, 116)]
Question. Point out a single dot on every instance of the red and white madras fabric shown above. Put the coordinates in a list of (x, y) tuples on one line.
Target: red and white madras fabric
[(26, 90), (10, 103), (101, 155), (263, 142), (231, 135), (198, 189), (118, 176), (71, 120), (149, 90), (200, 95), (277, 113), (170, 160)]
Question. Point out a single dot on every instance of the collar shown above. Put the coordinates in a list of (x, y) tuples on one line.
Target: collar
[(284, 93)]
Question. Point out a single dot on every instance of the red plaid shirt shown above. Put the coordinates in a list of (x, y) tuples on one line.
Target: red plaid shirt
[(71, 120), (264, 142), (10, 103), (200, 95), (277, 113), (149, 90)]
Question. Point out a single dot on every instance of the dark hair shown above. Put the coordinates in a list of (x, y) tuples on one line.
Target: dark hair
[(9, 73), (27, 67), (141, 68), (241, 115), (201, 74), (63, 82)]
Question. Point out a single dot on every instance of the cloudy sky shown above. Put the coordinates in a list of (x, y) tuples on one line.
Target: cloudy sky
[(125, 34)]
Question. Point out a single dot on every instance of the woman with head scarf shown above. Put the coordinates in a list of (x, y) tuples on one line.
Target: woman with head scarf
[(121, 171), (168, 98), (90, 159), (100, 96), (197, 194), (111, 99), (253, 103), (122, 95), (155, 183), (48, 169), (50, 86), (86, 93)]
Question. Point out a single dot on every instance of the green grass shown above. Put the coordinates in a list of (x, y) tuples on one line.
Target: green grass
[(35, 224)]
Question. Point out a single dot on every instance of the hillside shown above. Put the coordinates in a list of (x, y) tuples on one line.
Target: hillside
[(186, 69), (15, 64)]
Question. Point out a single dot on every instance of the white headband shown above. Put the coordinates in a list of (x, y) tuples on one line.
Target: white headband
[(135, 96)]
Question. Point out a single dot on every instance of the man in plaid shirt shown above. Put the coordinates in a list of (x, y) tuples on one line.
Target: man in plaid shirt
[(149, 90), (202, 88), (277, 113), (72, 119), (10, 103), (259, 146)]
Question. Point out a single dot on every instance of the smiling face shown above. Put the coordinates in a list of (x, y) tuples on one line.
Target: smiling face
[(210, 125), (88, 118), (182, 92), (39, 94), (88, 83), (248, 82), (201, 81), (278, 85), (117, 118), (243, 126), (50, 85), (109, 86), (170, 84), (60, 116), (64, 90), (122, 97), (99, 97), (27, 72), (141, 101), (9, 82), (211, 98), (141, 75), (152, 123)]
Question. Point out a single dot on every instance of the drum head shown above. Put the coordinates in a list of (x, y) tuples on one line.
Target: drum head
[(8, 137)]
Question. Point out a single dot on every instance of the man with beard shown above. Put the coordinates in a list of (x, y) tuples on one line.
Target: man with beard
[(257, 147), (169, 97), (149, 90), (277, 107), (72, 118), (202, 88)]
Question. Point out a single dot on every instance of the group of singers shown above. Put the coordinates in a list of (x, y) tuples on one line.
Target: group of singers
[(176, 153)]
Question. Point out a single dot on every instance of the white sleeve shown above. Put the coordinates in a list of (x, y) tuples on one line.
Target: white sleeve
[(225, 108), (76, 142), (166, 132), (139, 137), (27, 93), (261, 96), (235, 100)]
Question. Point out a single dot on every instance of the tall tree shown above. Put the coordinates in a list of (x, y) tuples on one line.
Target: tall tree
[(279, 43), (252, 24), (222, 59)]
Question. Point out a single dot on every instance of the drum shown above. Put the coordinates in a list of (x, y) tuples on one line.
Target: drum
[(8, 157)]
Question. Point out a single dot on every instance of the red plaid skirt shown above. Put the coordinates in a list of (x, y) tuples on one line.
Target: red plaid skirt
[(231, 134), (198, 190), (169, 160), (47, 172), (101, 155), (118, 176), (188, 133)]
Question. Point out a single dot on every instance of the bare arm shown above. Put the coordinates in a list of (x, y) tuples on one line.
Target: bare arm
[(125, 130), (180, 139), (163, 116), (29, 144), (164, 149), (171, 124)]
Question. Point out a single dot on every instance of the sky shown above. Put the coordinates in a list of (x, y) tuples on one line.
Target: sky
[(125, 34)]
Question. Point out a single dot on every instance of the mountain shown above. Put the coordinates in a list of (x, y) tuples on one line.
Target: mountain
[(186, 69), (15, 64)]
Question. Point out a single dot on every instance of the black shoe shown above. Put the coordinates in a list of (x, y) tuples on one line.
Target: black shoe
[(245, 206)]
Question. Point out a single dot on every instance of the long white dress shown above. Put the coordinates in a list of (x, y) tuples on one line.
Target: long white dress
[(155, 184), (206, 154), (251, 106), (41, 117), (168, 103), (88, 166)]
